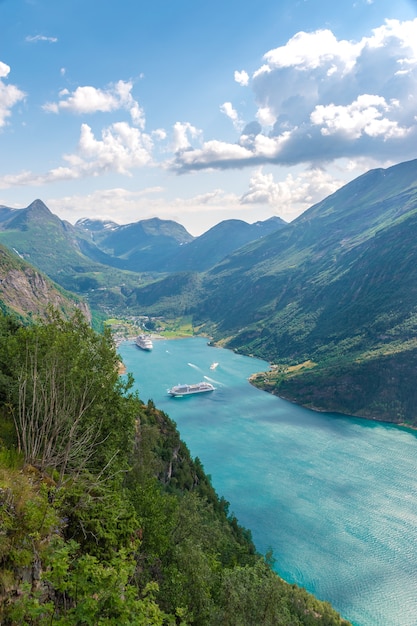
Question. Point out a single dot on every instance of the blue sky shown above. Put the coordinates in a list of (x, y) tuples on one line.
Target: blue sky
[(201, 111)]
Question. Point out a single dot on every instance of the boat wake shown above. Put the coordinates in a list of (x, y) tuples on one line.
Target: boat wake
[(194, 366), (212, 380)]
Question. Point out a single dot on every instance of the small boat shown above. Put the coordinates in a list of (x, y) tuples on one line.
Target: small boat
[(213, 366), (189, 390), (144, 342)]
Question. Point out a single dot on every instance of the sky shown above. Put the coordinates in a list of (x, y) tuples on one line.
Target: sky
[(198, 111)]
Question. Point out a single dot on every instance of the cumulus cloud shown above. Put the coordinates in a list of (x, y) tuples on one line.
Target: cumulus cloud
[(232, 114), (310, 51), (9, 95), (242, 78), (364, 116), (88, 99), (183, 133), (292, 196), (212, 154), (320, 98), (121, 148)]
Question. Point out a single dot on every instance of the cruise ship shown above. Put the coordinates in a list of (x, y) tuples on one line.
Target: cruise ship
[(188, 390), (144, 342)]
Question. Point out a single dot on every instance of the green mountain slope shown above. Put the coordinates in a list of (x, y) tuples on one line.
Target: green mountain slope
[(142, 246), (54, 247), (106, 261), (27, 293), (334, 289), (214, 245), (42, 239)]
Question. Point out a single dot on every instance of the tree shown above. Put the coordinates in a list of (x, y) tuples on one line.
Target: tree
[(68, 397)]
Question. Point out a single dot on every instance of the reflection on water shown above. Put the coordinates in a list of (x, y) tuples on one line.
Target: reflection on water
[(334, 497)]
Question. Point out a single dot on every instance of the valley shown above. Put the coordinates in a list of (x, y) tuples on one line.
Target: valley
[(336, 287)]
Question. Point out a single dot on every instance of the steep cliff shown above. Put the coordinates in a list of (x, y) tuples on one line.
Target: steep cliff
[(28, 293)]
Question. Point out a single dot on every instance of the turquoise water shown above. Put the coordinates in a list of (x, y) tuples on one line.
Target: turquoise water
[(335, 498)]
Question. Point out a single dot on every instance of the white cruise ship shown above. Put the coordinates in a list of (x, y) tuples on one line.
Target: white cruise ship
[(144, 342), (188, 390)]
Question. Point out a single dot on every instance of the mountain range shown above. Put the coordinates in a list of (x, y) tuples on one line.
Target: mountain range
[(330, 299)]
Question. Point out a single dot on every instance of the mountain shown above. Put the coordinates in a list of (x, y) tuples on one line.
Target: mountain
[(298, 277), (44, 240), (27, 293), (55, 247), (156, 245), (97, 254), (214, 245), (143, 246), (331, 299)]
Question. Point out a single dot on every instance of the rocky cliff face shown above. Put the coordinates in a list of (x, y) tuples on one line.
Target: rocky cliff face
[(28, 293)]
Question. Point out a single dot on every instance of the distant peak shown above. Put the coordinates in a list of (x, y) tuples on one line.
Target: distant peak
[(96, 224), (37, 205)]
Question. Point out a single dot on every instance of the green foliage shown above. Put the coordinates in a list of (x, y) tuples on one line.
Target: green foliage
[(87, 591), (70, 407), (255, 595)]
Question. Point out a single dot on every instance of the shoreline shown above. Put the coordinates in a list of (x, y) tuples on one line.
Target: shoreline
[(252, 377), (402, 425)]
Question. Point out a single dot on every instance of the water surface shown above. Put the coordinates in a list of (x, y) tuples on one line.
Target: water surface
[(334, 497)]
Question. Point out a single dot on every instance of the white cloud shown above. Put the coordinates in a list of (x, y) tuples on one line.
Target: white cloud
[(292, 196), (315, 69), (363, 116), (220, 154), (227, 109), (309, 51), (88, 99), (242, 78), (121, 149), (9, 95), (159, 133), (36, 38), (15, 180), (265, 116), (232, 114), (183, 132), (212, 154)]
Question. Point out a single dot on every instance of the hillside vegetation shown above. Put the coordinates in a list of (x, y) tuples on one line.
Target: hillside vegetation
[(105, 518)]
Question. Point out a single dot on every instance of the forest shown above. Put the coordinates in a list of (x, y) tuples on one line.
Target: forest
[(105, 518)]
